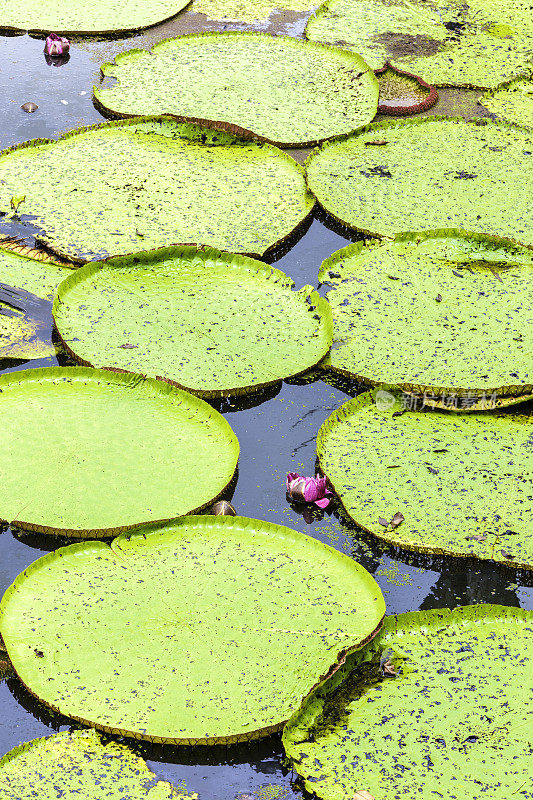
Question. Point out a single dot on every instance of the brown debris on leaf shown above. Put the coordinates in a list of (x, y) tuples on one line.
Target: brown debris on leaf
[(397, 519), (389, 670), (362, 794), (479, 537), (401, 93), (376, 143)]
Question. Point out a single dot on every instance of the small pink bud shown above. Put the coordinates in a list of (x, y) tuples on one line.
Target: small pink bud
[(308, 490), (56, 45)]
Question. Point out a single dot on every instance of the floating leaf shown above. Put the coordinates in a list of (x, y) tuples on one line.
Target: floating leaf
[(397, 519), (30, 107), (275, 88), (89, 452), (28, 279), (475, 343), (435, 172), (480, 488), (78, 764), (401, 93), (17, 201), (76, 16), (207, 630), (458, 717), (249, 10), (170, 181), (447, 44), (512, 101), (212, 322)]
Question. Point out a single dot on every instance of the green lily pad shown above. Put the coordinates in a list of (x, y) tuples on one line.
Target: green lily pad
[(513, 101), (78, 17), (401, 93), (123, 187), (211, 322), (90, 452), (455, 722), (249, 10), (430, 173), (449, 44), (207, 630), (275, 88), (461, 304), (79, 764), (459, 480), (28, 279)]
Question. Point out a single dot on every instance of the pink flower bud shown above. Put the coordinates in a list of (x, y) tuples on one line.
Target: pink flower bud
[(308, 490), (56, 45)]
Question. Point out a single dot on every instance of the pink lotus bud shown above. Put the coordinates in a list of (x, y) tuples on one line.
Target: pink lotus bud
[(308, 490), (56, 45)]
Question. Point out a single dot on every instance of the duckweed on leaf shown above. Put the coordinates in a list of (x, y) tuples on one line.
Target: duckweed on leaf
[(512, 101), (481, 485), (456, 721), (206, 630)]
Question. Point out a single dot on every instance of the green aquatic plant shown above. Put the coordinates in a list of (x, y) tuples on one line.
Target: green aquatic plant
[(449, 44), (207, 630), (89, 453), (453, 484), (211, 322), (79, 17), (426, 174), (443, 313), (28, 279), (79, 764), (512, 101), (134, 185), (275, 88), (401, 93), (439, 704)]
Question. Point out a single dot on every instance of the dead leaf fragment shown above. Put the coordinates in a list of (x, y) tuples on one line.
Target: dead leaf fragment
[(389, 669), (376, 143), (128, 346), (362, 794), (479, 537), (383, 521), (397, 519), (439, 298), (506, 554)]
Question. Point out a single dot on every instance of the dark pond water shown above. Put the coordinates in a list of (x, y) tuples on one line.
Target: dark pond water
[(276, 430)]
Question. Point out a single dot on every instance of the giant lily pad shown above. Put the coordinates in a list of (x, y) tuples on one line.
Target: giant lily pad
[(429, 173), (460, 481), (401, 93), (28, 279), (210, 629), (89, 452), (211, 322), (78, 764), (276, 88), (123, 187), (77, 16), (461, 303), (513, 101), (454, 723), (249, 10), (449, 44)]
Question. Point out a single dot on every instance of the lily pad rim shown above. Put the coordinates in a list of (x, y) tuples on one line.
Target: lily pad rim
[(347, 410), (388, 125), (487, 93), (114, 33), (236, 261), (285, 240), (228, 127), (516, 393), (112, 376), (16, 246), (200, 521), (399, 111)]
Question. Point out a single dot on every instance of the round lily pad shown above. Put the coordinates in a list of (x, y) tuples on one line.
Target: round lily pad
[(79, 17), (401, 93), (439, 704), (28, 279), (449, 44), (513, 101), (211, 322), (207, 630), (249, 10), (78, 764), (90, 452), (275, 88), (134, 185), (426, 174), (453, 484), (461, 304)]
